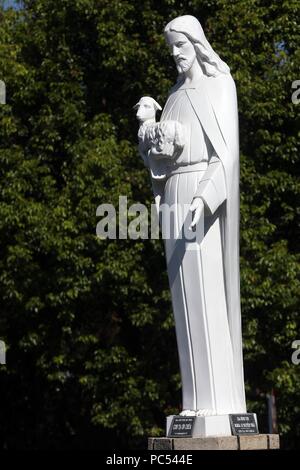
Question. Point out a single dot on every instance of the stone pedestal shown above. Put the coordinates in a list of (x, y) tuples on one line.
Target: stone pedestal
[(257, 442)]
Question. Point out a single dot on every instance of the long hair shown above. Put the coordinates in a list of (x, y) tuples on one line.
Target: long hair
[(208, 59)]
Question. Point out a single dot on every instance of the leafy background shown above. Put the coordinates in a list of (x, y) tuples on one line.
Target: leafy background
[(91, 350)]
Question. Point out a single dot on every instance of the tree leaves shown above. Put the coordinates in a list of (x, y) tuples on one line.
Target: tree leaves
[(88, 323)]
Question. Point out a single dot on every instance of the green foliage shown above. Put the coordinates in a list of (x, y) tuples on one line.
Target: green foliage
[(88, 323)]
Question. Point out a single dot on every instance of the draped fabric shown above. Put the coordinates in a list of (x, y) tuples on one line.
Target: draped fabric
[(204, 280)]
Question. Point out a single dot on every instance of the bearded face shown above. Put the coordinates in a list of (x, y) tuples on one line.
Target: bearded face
[(182, 50)]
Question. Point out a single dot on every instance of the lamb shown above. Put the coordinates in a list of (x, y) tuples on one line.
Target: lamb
[(157, 140), (146, 114)]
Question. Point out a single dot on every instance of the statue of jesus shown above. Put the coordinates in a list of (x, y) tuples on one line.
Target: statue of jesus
[(204, 178)]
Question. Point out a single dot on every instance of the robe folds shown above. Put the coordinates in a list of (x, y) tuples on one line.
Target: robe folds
[(204, 273)]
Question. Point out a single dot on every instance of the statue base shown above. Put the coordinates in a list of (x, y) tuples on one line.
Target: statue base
[(205, 426), (254, 442), (214, 433)]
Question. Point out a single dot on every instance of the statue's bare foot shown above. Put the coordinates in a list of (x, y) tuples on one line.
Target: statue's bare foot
[(197, 413), (205, 413), (188, 413)]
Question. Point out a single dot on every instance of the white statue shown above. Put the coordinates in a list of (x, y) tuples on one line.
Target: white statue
[(201, 173)]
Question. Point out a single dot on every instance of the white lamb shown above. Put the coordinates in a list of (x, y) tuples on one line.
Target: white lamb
[(157, 140)]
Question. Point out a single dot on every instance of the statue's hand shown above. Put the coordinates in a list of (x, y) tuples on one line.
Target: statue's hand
[(162, 151), (168, 149), (196, 208), (167, 139)]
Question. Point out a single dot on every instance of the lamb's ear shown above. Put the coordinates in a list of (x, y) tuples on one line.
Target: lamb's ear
[(136, 106), (156, 105)]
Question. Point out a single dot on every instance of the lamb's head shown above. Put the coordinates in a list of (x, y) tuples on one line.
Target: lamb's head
[(146, 109)]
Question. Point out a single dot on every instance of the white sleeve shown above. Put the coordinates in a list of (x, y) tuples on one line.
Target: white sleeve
[(212, 188)]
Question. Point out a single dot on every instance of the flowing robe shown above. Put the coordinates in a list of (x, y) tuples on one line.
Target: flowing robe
[(204, 273)]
